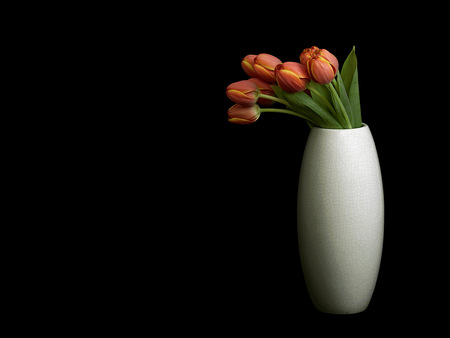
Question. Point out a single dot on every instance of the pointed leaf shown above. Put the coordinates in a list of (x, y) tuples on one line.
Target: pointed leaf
[(348, 69), (354, 101)]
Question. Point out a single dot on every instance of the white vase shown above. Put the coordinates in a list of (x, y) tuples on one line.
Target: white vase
[(340, 218)]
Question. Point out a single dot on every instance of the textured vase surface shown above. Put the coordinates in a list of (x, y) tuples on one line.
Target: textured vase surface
[(340, 218)]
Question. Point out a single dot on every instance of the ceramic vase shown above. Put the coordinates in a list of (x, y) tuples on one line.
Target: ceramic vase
[(340, 218)]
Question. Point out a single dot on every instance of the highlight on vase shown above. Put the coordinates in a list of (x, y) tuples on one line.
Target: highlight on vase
[(313, 89)]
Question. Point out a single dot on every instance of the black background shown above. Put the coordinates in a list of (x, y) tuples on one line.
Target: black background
[(177, 217), (248, 258), (230, 258)]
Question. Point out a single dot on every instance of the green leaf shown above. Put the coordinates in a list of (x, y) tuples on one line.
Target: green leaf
[(344, 98), (278, 91), (305, 105), (337, 106), (348, 69), (350, 80), (354, 101), (322, 90)]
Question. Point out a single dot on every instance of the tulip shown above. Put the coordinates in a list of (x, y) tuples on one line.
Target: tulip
[(264, 88), (240, 114), (321, 64), (307, 54), (265, 67), (321, 70), (243, 92), (292, 77), (247, 64)]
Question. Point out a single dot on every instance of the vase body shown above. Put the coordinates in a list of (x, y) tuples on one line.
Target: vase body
[(340, 218)]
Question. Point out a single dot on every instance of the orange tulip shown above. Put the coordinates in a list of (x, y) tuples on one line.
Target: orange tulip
[(243, 92), (240, 114), (247, 64), (321, 64), (265, 66), (321, 70), (292, 77)]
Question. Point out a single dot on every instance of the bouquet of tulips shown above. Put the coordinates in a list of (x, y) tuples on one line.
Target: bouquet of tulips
[(313, 89)]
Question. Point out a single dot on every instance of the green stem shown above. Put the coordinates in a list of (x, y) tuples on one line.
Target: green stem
[(274, 98), (335, 84), (341, 105), (284, 111)]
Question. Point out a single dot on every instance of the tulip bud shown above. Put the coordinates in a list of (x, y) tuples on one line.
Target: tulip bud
[(243, 92), (247, 64), (264, 88), (318, 62), (307, 54), (265, 66), (240, 114), (292, 77)]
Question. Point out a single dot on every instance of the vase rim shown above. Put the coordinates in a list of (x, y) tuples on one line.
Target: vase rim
[(364, 126)]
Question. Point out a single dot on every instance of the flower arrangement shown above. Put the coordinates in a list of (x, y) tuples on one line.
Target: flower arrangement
[(313, 89)]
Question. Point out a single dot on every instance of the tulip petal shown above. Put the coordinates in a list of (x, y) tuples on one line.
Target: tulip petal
[(237, 120), (290, 82), (248, 67), (243, 86), (267, 61), (242, 98), (265, 74)]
